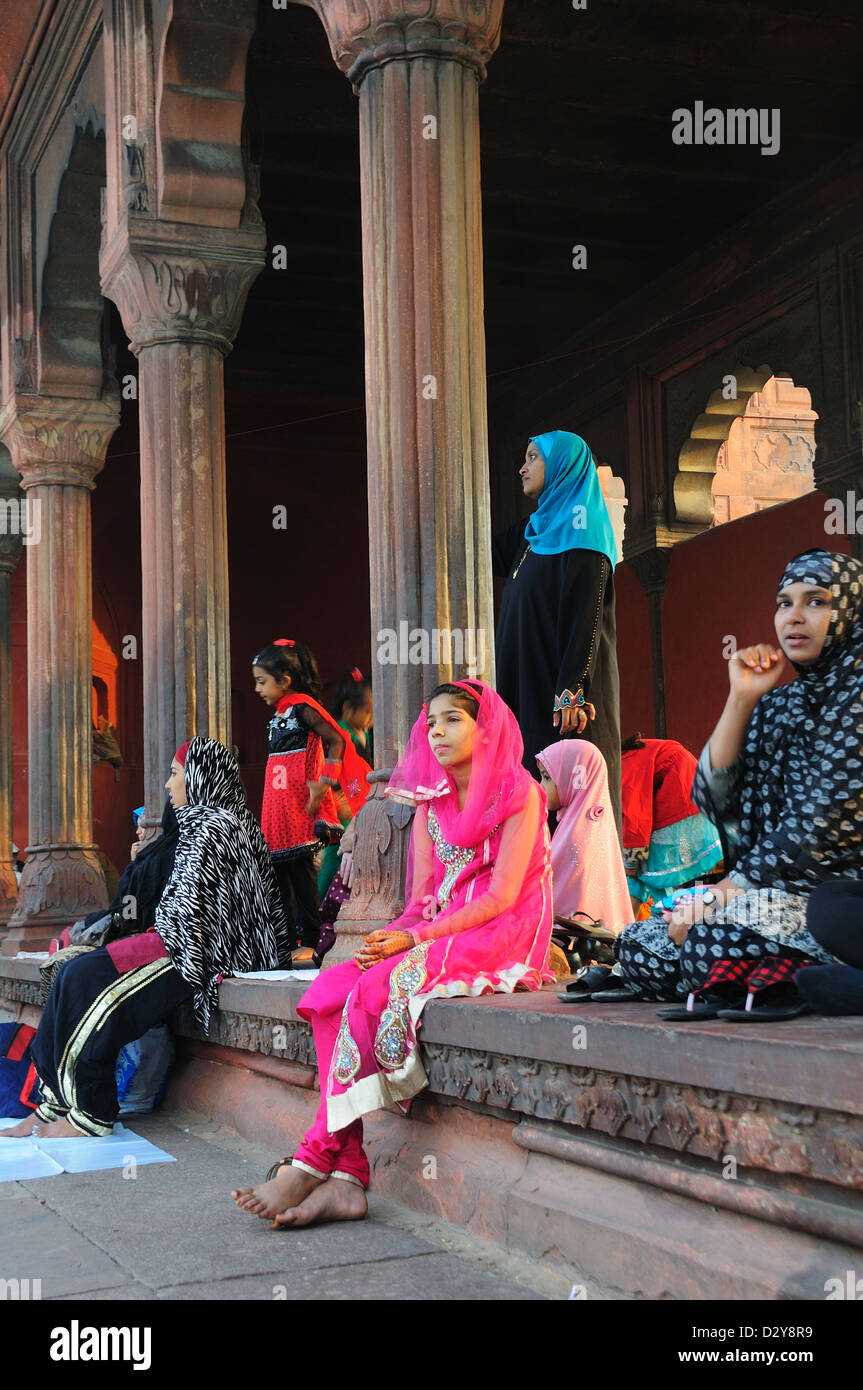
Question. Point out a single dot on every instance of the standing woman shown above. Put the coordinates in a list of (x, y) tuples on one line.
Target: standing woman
[(556, 644)]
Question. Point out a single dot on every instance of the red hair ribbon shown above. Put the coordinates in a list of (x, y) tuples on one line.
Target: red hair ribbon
[(356, 674), (181, 752), (284, 642)]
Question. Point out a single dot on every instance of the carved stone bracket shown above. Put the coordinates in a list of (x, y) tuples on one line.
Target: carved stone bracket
[(23, 371), (135, 189), (381, 837)]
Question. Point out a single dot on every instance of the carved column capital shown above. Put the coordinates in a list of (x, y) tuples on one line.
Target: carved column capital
[(364, 34), (651, 569), (170, 287), (59, 440)]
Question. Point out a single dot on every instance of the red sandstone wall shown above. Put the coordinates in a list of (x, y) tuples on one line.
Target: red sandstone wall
[(310, 581)]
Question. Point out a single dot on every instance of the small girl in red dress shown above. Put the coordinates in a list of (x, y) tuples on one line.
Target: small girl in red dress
[(299, 811)]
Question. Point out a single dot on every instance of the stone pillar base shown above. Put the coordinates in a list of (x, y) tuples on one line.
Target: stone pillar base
[(380, 865), (60, 884)]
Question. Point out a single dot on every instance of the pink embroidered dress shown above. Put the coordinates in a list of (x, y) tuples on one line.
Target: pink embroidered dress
[(480, 913)]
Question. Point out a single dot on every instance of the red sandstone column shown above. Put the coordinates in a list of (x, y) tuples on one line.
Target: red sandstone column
[(418, 78), (58, 447), (181, 293), (10, 552)]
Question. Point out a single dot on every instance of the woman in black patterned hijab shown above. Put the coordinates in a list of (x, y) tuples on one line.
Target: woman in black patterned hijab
[(786, 764)]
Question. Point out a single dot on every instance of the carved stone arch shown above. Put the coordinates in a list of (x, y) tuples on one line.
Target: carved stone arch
[(200, 99), (769, 454), (72, 308), (696, 464)]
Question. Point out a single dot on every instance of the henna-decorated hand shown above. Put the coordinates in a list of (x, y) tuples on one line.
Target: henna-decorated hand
[(379, 945)]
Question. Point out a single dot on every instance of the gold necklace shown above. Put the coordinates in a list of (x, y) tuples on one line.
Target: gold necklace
[(521, 562)]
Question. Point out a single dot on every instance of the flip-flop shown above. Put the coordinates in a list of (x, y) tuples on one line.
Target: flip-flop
[(613, 996), (680, 1013), (765, 1014)]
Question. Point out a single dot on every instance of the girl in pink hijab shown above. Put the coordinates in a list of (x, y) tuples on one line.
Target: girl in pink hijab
[(586, 862), (479, 921)]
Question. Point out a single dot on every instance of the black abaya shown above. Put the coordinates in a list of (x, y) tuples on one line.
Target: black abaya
[(555, 632)]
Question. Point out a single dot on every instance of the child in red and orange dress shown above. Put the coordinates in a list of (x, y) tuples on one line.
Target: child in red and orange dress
[(299, 812)]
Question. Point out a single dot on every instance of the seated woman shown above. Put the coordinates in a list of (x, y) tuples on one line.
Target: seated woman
[(479, 921), (782, 761), (586, 863), (835, 919), (219, 913), (141, 885), (667, 841)]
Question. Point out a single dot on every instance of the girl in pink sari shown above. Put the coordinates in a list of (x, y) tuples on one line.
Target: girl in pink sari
[(479, 921)]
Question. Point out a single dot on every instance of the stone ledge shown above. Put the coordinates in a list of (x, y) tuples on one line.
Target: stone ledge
[(785, 1099)]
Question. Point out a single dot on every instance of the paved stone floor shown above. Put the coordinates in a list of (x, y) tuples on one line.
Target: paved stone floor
[(172, 1232)]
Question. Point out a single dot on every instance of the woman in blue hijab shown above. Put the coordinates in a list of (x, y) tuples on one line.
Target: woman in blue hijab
[(555, 639)]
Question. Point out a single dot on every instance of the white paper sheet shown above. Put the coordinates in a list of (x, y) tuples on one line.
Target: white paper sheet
[(19, 1159), (32, 1157)]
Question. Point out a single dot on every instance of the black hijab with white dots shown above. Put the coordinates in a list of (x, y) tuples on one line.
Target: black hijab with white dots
[(221, 912), (799, 778)]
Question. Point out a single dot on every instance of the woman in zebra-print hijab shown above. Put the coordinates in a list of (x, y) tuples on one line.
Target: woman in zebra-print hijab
[(220, 913)]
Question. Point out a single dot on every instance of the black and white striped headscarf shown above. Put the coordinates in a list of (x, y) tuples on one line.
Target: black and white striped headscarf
[(221, 911), (799, 776)]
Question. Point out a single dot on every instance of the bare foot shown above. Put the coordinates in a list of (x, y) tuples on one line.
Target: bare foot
[(333, 1200), (288, 1188), (59, 1129), (20, 1131)]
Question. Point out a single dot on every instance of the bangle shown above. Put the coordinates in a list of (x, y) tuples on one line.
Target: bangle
[(567, 699)]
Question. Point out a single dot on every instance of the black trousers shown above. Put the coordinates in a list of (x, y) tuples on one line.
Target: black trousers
[(92, 1011), (298, 884), (835, 918)]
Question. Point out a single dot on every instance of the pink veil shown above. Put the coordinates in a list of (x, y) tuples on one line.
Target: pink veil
[(586, 860), (499, 784)]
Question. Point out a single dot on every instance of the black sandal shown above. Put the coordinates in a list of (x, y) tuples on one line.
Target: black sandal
[(588, 984), (680, 1014), (699, 1006), (776, 1013)]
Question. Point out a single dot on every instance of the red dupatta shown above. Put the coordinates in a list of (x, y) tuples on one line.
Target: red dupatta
[(354, 768)]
